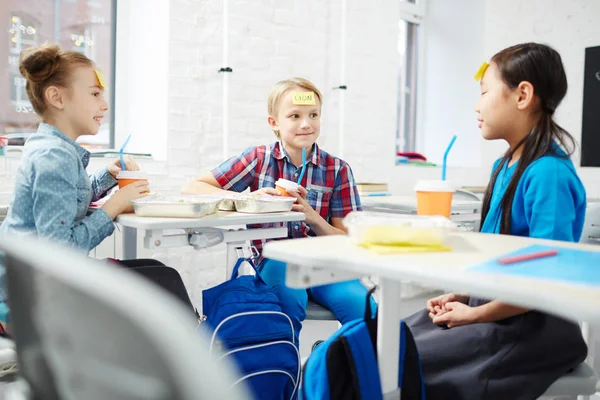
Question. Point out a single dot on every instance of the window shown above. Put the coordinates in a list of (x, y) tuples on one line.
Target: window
[(409, 36), (22, 33), (86, 26)]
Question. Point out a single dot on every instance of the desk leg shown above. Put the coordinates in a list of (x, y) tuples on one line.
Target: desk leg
[(129, 243), (235, 250), (388, 334)]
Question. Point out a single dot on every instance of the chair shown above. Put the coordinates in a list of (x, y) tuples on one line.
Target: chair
[(591, 227), (87, 330), (583, 379), (315, 311), (580, 382)]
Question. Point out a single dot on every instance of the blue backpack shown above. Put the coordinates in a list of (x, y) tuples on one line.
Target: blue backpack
[(345, 365), (248, 326)]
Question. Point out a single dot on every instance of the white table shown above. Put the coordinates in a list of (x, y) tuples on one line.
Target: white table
[(327, 259), (462, 210), (203, 232)]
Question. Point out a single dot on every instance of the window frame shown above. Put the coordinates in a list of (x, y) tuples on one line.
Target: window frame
[(14, 49), (407, 127)]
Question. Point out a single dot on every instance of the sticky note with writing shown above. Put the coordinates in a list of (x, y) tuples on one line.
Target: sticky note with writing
[(303, 98)]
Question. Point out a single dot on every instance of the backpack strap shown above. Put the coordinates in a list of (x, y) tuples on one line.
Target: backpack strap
[(364, 359), (410, 370), (370, 320), (240, 261)]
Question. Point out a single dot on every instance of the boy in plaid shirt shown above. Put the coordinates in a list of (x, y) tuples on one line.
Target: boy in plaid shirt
[(326, 195)]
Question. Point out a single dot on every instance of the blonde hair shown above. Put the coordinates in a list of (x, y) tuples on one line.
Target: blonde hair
[(282, 87), (47, 66)]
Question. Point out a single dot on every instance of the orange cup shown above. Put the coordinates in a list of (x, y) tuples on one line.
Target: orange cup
[(283, 185), (128, 177), (434, 198)]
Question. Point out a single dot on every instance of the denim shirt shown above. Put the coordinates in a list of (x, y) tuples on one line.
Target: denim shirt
[(53, 191)]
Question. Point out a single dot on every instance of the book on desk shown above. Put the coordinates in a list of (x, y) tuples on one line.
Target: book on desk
[(372, 189), (570, 265)]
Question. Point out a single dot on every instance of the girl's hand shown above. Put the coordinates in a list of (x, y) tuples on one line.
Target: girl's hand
[(456, 314), (115, 166), (436, 305), (120, 201)]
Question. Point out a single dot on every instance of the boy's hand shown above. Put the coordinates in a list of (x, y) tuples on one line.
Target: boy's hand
[(115, 166), (302, 205)]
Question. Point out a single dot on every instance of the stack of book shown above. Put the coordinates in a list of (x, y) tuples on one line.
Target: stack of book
[(366, 189)]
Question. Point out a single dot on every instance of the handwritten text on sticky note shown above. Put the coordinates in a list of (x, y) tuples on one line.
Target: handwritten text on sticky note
[(303, 98)]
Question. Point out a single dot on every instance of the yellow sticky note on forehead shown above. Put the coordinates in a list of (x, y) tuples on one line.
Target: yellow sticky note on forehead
[(481, 71), (100, 78), (303, 98)]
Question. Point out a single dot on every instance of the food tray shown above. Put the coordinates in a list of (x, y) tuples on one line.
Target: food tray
[(366, 227), (176, 206), (264, 204), (228, 202)]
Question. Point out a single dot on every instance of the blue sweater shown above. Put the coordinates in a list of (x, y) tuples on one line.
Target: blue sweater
[(549, 202)]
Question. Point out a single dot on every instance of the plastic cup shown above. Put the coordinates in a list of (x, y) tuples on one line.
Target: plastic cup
[(283, 185), (3, 145), (128, 177), (434, 198)]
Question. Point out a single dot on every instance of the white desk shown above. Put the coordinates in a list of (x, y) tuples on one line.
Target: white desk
[(462, 210), (203, 232), (327, 259)]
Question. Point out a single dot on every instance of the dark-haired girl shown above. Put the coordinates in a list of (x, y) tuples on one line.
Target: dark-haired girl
[(474, 348)]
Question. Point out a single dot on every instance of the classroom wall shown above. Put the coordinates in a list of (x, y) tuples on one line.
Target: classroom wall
[(267, 43), (459, 36)]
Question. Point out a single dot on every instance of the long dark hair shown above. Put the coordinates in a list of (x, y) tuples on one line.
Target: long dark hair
[(541, 66)]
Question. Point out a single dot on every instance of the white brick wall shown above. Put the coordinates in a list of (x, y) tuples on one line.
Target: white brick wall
[(270, 41)]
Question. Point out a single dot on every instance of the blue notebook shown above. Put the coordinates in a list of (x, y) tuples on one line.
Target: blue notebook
[(576, 266)]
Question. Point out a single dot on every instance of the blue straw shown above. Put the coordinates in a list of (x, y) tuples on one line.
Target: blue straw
[(303, 165), (446, 156), (121, 153)]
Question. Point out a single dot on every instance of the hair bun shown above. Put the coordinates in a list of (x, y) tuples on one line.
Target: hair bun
[(37, 64)]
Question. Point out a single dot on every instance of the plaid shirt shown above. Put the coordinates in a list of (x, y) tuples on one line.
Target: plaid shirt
[(331, 187)]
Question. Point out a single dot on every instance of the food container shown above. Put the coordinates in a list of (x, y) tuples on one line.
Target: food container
[(176, 206), (264, 204), (228, 202), (366, 227)]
